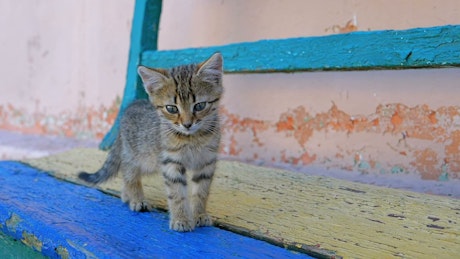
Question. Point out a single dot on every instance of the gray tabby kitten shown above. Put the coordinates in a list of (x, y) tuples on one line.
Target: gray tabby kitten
[(176, 132)]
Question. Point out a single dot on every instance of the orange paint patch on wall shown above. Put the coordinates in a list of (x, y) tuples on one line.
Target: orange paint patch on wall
[(419, 122), (427, 164), (306, 159), (234, 147), (432, 117), (232, 123), (452, 151), (296, 123), (350, 26), (236, 123), (85, 122), (286, 124), (267, 140), (301, 124), (396, 120), (337, 119), (414, 123)]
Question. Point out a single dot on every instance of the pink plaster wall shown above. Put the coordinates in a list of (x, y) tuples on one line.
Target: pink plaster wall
[(63, 72), (382, 122)]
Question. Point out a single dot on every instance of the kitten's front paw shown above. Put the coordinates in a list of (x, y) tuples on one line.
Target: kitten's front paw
[(141, 206), (203, 220), (181, 225)]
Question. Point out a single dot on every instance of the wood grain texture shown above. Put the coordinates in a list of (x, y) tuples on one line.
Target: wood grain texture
[(307, 212), (390, 49), (64, 220)]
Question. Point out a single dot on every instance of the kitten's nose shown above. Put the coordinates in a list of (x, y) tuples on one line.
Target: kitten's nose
[(187, 125)]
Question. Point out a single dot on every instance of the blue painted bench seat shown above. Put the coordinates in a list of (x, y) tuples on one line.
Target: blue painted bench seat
[(64, 220)]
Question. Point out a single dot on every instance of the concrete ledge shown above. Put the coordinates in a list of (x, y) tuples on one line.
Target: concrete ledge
[(64, 220), (306, 212)]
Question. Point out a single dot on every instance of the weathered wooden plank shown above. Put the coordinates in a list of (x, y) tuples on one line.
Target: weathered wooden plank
[(144, 36), (389, 49), (64, 220), (305, 212)]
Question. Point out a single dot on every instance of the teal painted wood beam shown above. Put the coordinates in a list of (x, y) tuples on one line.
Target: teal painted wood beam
[(144, 36), (390, 49)]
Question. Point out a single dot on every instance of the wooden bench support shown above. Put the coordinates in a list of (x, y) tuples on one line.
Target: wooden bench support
[(144, 36)]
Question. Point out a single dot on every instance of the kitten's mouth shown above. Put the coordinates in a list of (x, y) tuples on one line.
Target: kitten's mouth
[(187, 131)]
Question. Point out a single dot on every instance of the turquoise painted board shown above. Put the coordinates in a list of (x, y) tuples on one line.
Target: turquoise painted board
[(144, 36), (65, 220), (390, 49)]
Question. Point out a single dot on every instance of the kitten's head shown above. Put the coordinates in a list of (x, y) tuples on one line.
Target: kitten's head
[(186, 97)]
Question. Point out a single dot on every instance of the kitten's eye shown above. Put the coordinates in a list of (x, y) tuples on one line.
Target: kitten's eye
[(172, 109), (199, 106)]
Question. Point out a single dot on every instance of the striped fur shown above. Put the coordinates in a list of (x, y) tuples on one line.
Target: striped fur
[(175, 133)]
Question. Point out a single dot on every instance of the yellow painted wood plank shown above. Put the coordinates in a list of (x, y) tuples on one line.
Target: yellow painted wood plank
[(354, 220)]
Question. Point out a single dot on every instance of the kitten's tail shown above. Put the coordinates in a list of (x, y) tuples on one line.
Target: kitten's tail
[(108, 170)]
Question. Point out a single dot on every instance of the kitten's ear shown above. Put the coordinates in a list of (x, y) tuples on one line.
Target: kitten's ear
[(153, 79), (211, 69)]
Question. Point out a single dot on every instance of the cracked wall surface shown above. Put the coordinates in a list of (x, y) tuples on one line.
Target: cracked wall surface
[(375, 122), (399, 139)]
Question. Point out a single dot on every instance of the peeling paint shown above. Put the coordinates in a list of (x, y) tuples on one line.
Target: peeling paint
[(12, 222), (233, 124), (399, 139), (453, 152), (28, 239), (350, 26), (395, 138), (62, 252), (427, 163), (31, 241), (84, 122)]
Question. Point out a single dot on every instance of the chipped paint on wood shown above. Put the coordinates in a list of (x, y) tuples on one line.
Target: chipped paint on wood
[(31, 241), (97, 225), (13, 226), (62, 252), (12, 222)]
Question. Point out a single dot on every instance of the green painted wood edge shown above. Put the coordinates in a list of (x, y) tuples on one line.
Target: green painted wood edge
[(144, 36), (388, 49)]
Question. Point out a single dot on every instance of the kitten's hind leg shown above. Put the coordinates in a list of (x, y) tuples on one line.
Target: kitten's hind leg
[(132, 192)]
